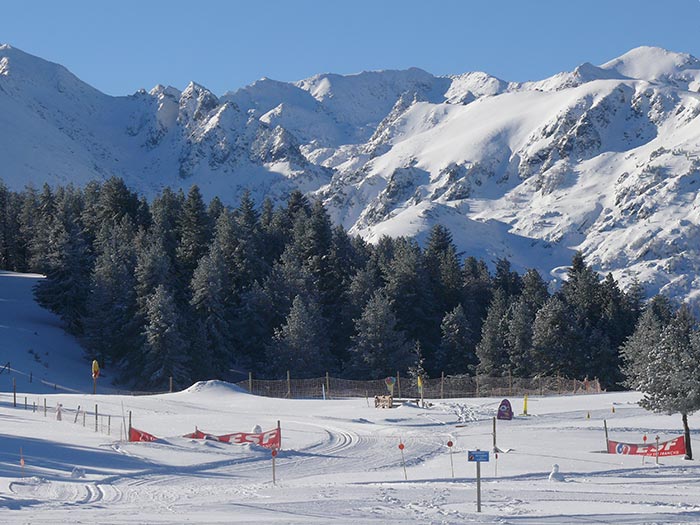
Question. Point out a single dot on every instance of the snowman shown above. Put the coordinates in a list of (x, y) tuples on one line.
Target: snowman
[(555, 475)]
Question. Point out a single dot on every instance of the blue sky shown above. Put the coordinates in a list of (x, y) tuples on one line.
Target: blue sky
[(121, 46)]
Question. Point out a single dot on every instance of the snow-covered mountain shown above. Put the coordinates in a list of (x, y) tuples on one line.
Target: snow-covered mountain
[(604, 159)]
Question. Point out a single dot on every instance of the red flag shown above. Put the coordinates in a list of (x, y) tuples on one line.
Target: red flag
[(140, 435)]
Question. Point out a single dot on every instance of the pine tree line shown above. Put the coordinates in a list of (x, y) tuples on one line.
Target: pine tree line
[(177, 287)]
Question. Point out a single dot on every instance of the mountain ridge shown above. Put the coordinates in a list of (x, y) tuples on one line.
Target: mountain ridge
[(602, 159)]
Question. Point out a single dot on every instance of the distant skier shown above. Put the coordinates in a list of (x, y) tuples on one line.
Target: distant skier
[(59, 407)]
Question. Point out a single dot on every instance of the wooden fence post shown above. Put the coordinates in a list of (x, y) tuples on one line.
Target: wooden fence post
[(250, 382), (171, 384), (442, 385), (328, 386), (510, 383), (289, 385), (398, 382), (95, 417), (14, 392)]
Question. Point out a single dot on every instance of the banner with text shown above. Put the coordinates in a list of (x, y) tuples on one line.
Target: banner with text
[(672, 447), (269, 439)]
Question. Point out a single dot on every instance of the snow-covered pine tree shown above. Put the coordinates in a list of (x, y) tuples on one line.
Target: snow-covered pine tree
[(457, 353), (301, 344), (556, 341), (67, 285), (195, 233), (111, 324), (492, 350), (520, 323), (661, 361), (379, 347), (164, 349), (212, 352)]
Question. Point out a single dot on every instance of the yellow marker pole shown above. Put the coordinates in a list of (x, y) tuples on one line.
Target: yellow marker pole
[(95, 375), (525, 406)]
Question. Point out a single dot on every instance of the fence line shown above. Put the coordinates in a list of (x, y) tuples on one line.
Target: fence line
[(444, 387)]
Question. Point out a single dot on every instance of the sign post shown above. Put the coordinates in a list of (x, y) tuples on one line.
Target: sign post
[(274, 455), (478, 456), (452, 464), (657, 450), (403, 461)]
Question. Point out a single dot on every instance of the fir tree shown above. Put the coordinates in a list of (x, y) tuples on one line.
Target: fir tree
[(661, 362), (195, 233), (492, 350), (164, 349), (301, 344), (457, 353), (111, 324), (379, 347), (520, 325), (66, 287), (212, 353), (556, 341)]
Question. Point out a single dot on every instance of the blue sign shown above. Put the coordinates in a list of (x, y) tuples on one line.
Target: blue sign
[(478, 455)]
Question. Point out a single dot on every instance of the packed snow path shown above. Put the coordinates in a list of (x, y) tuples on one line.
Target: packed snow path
[(340, 463)]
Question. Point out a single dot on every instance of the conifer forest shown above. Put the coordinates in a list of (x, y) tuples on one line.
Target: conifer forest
[(178, 287)]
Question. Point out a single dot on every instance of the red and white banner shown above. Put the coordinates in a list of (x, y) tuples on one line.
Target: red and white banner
[(269, 439), (140, 435), (672, 447)]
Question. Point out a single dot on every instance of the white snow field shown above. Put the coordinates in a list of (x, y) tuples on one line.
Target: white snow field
[(339, 463)]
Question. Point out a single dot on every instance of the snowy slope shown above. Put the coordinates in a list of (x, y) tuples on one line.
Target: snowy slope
[(602, 159), (339, 462)]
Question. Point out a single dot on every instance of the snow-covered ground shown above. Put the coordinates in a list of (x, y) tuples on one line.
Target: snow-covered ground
[(340, 461)]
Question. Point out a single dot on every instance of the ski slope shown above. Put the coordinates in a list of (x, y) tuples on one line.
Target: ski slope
[(339, 463)]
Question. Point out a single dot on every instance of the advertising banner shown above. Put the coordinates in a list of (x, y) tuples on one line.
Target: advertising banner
[(269, 439), (672, 447)]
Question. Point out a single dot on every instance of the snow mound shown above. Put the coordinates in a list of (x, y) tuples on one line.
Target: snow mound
[(214, 386)]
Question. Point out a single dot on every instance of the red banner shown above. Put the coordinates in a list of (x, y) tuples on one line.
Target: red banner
[(140, 435), (269, 439), (672, 447)]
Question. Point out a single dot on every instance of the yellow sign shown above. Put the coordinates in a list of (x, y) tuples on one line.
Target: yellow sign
[(95, 368), (420, 382)]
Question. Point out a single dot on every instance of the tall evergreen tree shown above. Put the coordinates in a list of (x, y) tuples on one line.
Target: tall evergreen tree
[(408, 288), (457, 353), (212, 354), (301, 344), (379, 348), (520, 327), (111, 326), (164, 348), (195, 233), (492, 350), (556, 341), (66, 288), (664, 366)]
